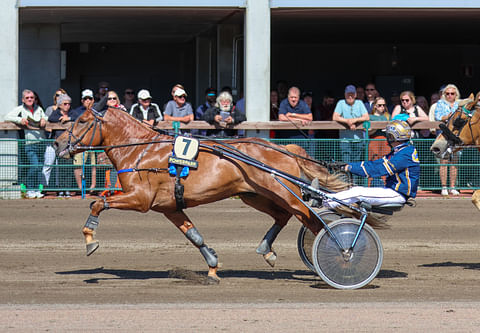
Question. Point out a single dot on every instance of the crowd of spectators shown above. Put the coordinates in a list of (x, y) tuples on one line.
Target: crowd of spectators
[(358, 105)]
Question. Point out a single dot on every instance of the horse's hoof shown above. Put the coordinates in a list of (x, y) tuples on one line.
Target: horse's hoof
[(270, 258), (212, 280), (92, 247)]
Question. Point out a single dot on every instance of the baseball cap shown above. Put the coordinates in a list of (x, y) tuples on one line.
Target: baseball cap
[(180, 92), (144, 94), (87, 93), (350, 89)]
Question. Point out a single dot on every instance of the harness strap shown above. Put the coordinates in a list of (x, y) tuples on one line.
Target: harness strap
[(178, 190)]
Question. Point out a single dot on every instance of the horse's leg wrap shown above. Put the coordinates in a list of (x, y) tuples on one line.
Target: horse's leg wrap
[(210, 255), (92, 222), (266, 244), (194, 236), (88, 231)]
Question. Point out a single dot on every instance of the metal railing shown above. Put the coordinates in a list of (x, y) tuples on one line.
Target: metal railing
[(16, 172)]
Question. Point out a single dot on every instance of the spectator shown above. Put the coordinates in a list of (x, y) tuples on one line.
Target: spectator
[(307, 97), (293, 109), (360, 94), (172, 101), (223, 115), (145, 110), (50, 157), (128, 98), (33, 117), (431, 112), (445, 107), (282, 88), (408, 110), (62, 114), (377, 148), (103, 87), (113, 101), (180, 110), (324, 112), (423, 103), (274, 105), (210, 99), (82, 158), (351, 112), (370, 95)]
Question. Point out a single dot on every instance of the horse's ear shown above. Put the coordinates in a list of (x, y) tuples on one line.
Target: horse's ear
[(467, 103), (473, 101)]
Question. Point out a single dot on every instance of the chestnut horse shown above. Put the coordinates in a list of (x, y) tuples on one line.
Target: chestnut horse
[(142, 157), (462, 129)]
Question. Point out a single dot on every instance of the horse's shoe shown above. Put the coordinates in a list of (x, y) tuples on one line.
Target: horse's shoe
[(270, 258), (212, 280), (92, 247)]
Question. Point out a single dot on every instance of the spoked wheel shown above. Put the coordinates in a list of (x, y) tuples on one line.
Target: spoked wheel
[(306, 238), (344, 268)]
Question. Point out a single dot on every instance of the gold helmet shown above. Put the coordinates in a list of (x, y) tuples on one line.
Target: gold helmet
[(398, 130)]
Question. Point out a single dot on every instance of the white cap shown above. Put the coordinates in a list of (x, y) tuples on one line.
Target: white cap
[(144, 94), (180, 92), (87, 93)]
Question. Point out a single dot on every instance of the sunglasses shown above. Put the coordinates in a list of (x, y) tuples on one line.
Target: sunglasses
[(380, 105), (405, 100), (87, 97), (66, 103), (183, 96), (29, 97), (112, 98), (450, 94), (129, 92), (56, 95)]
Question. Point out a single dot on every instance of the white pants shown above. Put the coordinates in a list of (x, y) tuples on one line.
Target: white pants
[(373, 195), (49, 159)]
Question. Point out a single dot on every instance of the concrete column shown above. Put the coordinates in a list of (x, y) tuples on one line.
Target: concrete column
[(8, 56), (257, 61), (39, 55)]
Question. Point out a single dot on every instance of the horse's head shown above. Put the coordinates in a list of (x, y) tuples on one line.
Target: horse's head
[(85, 131), (460, 129)]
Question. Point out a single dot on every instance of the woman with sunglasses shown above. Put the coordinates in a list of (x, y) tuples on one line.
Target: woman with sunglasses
[(448, 104), (50, 158), (408, 109), (378, 147)]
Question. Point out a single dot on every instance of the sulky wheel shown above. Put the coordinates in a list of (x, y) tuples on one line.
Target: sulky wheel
[(347, 269), (306, 238)]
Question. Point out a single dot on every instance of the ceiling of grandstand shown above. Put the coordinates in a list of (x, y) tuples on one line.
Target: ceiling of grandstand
[(163, 25)]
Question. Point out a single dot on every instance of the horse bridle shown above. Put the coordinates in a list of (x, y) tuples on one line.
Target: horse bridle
[(458, 125), (97, 122)]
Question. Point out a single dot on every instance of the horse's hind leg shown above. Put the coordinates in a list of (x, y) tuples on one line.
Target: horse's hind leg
[(186, 226), (281, 217)]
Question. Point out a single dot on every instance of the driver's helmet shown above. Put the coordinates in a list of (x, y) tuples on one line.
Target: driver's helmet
[(398, 130)]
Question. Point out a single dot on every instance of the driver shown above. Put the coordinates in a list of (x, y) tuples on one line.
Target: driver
[(401, 166)]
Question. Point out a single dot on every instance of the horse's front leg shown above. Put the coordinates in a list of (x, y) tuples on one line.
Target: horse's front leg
[(130, 200), (182, 222)]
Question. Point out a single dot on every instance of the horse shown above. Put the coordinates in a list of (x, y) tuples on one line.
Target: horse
[(141, 156), (462, 129)]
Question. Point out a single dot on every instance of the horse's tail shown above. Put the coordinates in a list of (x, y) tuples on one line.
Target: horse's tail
[(311, 170), (334, 182)]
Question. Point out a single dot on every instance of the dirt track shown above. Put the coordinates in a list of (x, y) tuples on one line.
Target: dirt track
[(146, 275)]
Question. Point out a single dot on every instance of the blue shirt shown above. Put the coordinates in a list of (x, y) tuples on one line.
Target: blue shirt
[(301, 107), (348, 111), (285, 107), (444, 109), (401, 166)]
